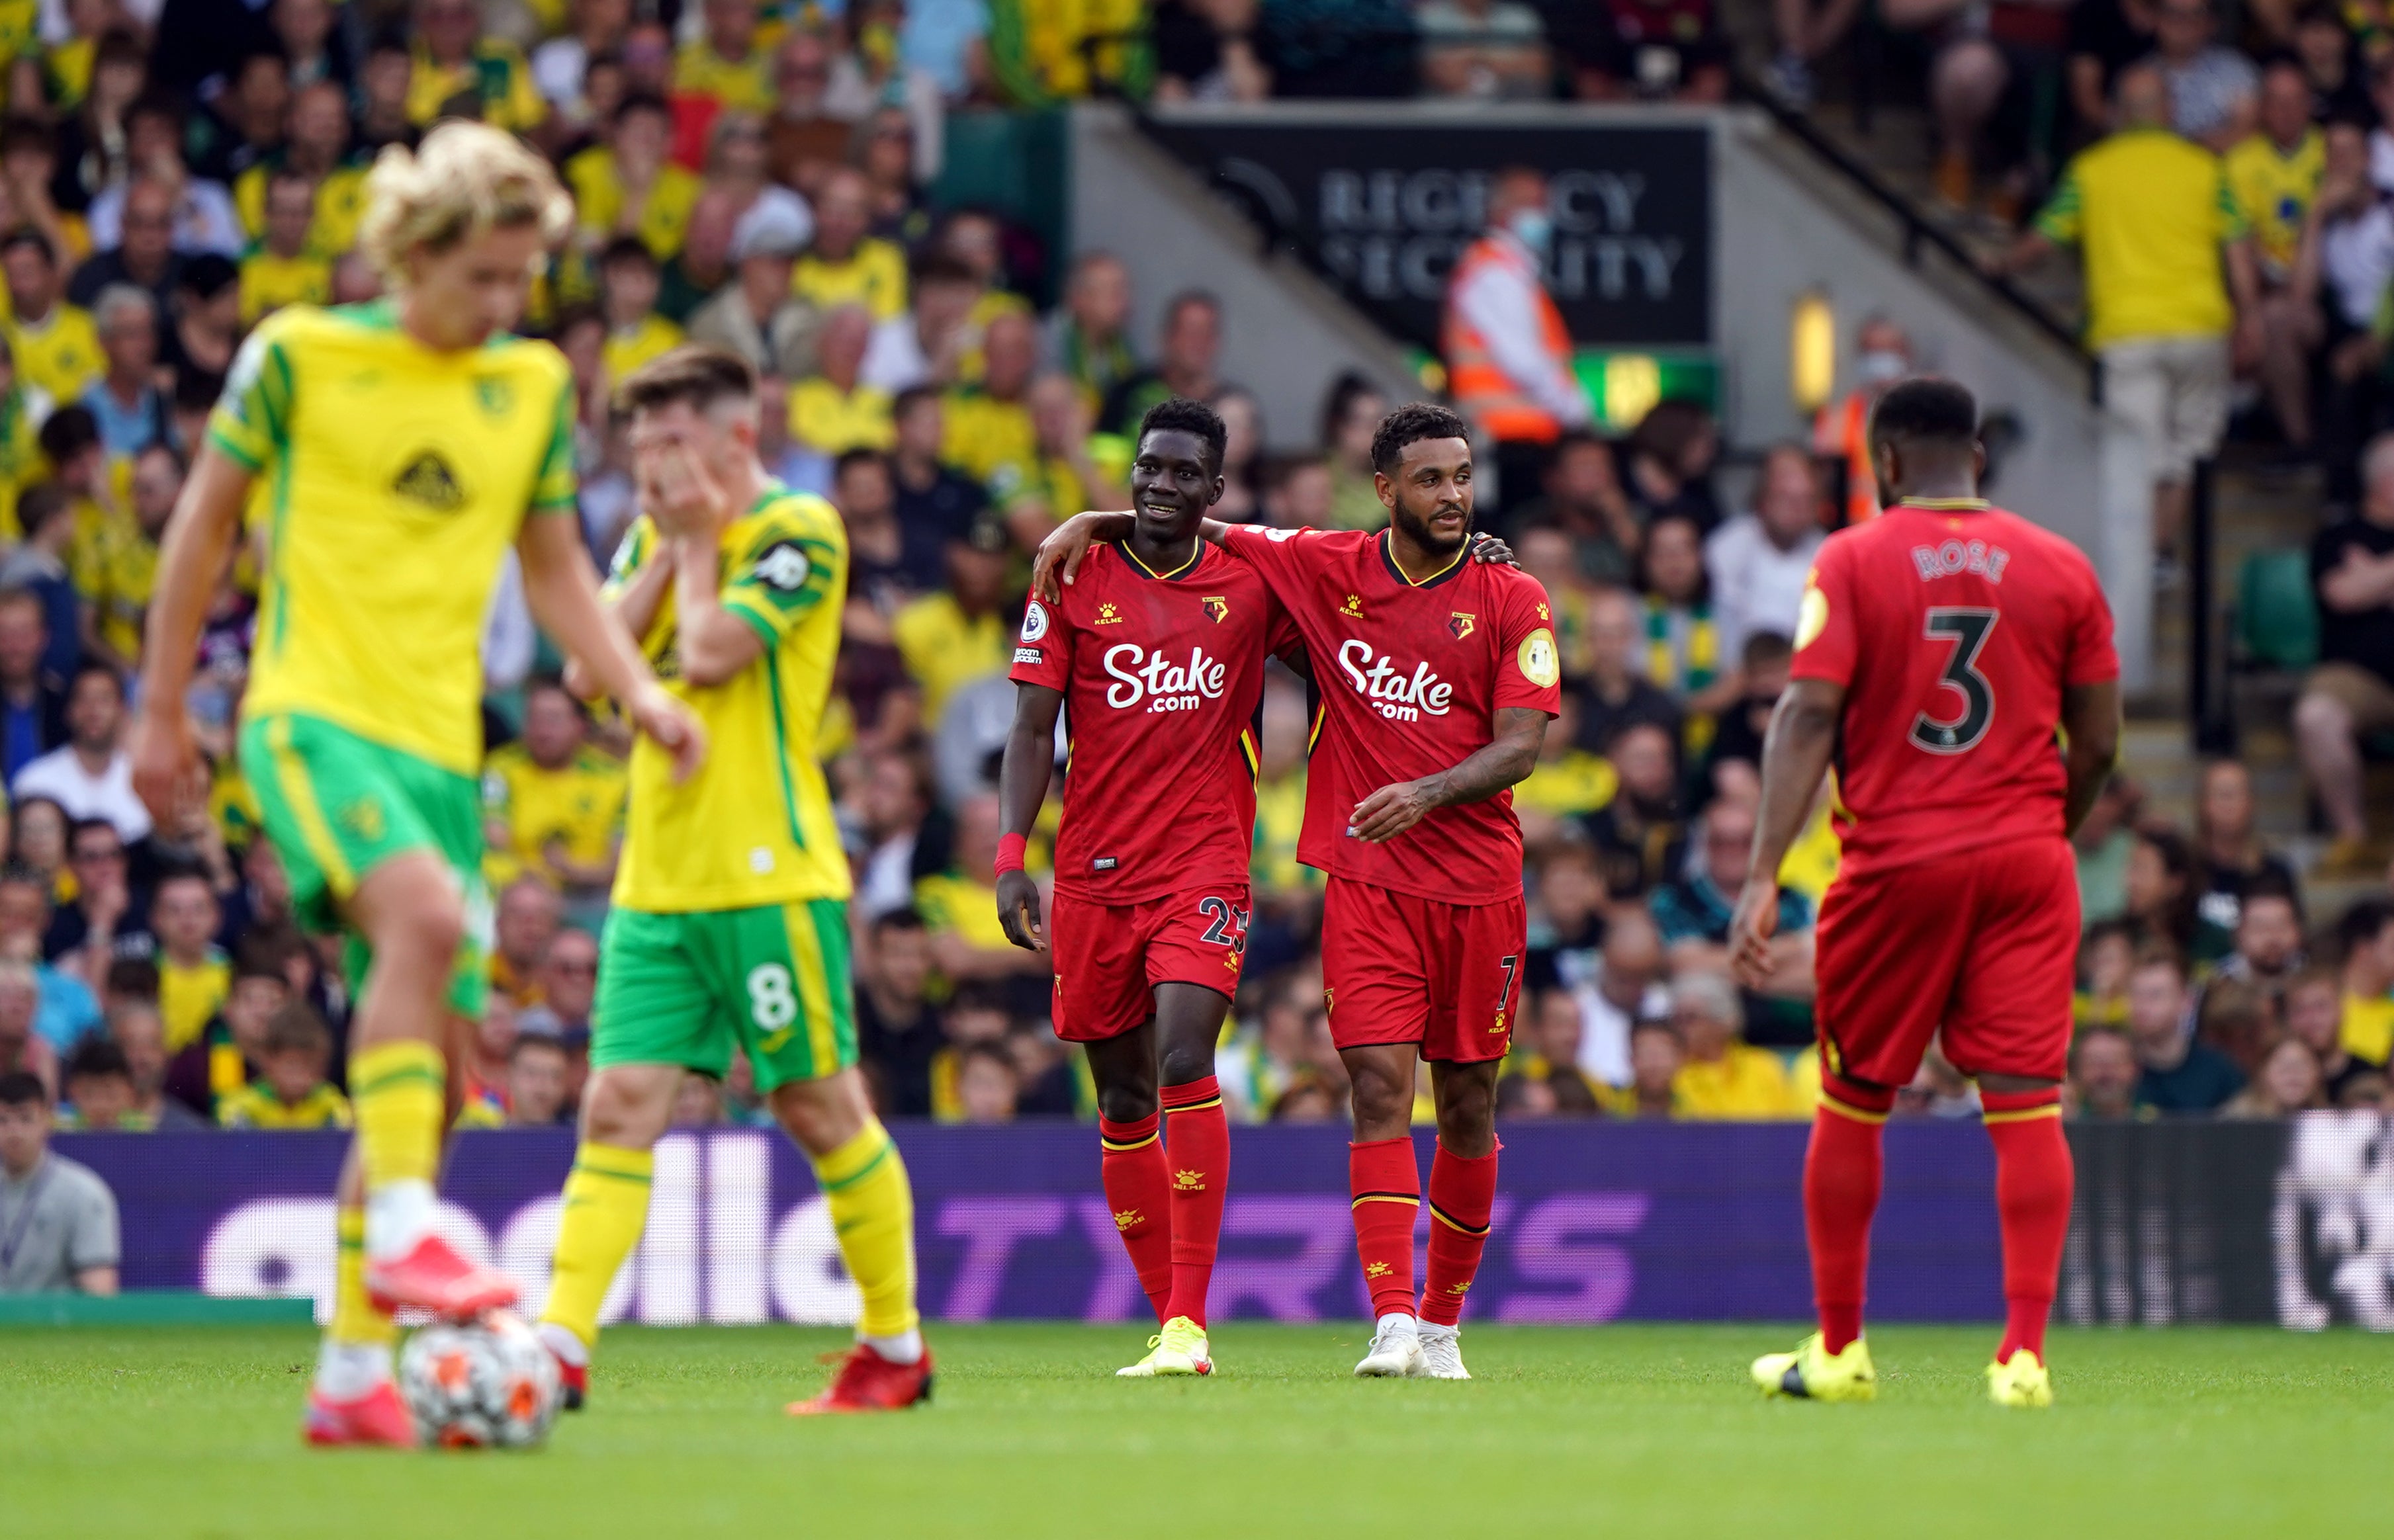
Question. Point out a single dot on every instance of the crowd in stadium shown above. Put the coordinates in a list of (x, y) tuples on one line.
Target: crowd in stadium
[(758, 179)]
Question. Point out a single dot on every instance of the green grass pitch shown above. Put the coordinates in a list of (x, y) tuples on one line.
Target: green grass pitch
[(1646, 1430)]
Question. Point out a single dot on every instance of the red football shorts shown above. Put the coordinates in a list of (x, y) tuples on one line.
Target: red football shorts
[(1397, 969), (1983, 945), (1108, 958)]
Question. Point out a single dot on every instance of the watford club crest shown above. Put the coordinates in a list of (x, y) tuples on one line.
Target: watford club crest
[(1217, 607), (1462, 625)]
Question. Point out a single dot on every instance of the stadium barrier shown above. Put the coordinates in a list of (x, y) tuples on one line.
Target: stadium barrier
[(1601, 1222)]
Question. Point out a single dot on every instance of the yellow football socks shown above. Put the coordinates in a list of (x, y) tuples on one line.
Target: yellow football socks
[(872, 1213), (395, 1090), (606, 1206), (355, 1320)]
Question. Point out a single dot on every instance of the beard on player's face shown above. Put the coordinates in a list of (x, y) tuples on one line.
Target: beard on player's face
[(1418, 508)]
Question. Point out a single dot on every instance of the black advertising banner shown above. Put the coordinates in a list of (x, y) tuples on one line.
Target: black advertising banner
[(1383, 211)]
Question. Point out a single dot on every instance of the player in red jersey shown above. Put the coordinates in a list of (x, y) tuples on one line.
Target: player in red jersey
[(1158, 652), (1941, 649), (1437, 675)]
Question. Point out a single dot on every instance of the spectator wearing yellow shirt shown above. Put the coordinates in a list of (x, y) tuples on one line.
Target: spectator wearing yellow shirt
[(844, 266), (834, 410), (290, 1091), (20, 446), (963, 633), (279, 268), (1064, 473), (194, 975), (959, 905), (317, 150), (2368, 935), (56, 345), (1566, 782), (1280, 798), (627, 296), (115, 567), (989, 424), (2275, 173), (627, 187), (452, 58), (725, 64), (551, 802), (2153, 217), (1724, 1077), (1656, 1056), (1046, 51)]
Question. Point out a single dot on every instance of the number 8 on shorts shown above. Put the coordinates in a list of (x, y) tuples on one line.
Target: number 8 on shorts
[(687, 988)]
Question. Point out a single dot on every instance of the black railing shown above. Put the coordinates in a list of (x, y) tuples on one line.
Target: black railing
[(2210, 718), (1919, 230)]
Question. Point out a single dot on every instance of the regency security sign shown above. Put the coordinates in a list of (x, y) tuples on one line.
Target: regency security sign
[(1383, 211)]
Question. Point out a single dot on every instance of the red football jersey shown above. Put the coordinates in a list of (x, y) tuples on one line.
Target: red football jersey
[(1411, 676), (1954, 628), (1162, 678)]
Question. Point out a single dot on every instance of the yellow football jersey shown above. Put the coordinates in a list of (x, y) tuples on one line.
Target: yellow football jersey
[(754, 825), (188, 996), (598, 202), (497, 73), (114, 565), (735, 84), (340, 202), (828, 422), (985, 435), (21, 460), (653, 338), (61, 356), (873, 276), (579, 805), (398, 476), (268, 283)]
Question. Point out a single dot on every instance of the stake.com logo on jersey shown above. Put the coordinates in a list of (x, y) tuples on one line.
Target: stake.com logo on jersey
[(1398, 696), (1163, 685)]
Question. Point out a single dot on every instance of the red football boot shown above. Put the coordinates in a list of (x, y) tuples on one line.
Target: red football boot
[(434, 1278), (379, 1419), (868, 1382)]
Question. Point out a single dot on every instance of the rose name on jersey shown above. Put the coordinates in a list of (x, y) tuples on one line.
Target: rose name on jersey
[(1396, 696), (1955, 557), (1157, 683)]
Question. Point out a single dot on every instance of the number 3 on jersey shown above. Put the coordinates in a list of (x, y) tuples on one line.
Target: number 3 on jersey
[(1966, 631)]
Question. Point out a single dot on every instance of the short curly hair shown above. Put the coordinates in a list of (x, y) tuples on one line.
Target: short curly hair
[(1411, 424), (1180, 414), (464, 179)]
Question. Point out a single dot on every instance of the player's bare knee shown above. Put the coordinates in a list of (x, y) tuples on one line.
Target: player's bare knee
[(1181, 1062), (1467, 1114), (1127, 1103)]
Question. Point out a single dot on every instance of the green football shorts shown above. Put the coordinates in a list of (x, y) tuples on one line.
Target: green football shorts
[(338, 805), (684, 988)]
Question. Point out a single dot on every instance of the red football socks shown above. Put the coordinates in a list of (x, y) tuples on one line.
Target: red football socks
[(1387, 1185), (1198, 1152), (1462, 1194), (1842, 1171), (2033, 1182), (1138, 1190)]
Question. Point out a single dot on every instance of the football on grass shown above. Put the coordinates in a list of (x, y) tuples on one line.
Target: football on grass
[(486, 1385)]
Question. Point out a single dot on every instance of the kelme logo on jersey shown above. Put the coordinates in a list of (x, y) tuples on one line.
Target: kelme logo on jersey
[(428, 479), (1159, 683), (1398, 696)]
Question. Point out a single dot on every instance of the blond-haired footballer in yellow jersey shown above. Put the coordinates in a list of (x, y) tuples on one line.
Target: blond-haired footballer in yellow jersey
[(730, 926), (406, 444)]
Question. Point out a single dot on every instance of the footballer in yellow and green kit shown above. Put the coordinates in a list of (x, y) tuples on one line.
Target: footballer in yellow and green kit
[(730, 924), (397, 478)]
